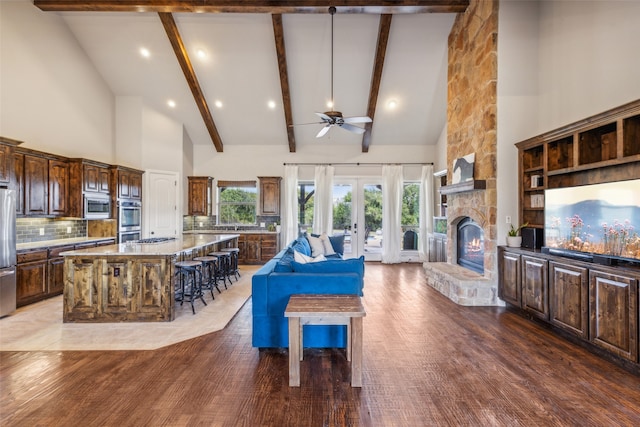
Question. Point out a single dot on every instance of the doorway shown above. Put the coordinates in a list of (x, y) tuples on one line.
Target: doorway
[(357, 213)]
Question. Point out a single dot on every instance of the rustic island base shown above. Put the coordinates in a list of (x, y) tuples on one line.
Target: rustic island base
[(130, 282)]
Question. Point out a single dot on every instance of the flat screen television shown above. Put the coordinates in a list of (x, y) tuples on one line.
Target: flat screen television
[(599, 222)]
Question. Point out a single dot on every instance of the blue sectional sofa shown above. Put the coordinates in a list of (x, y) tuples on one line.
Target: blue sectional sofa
[(282, 277)]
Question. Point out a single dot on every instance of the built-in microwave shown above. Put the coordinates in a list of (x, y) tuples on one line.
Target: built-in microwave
[(96, 207)]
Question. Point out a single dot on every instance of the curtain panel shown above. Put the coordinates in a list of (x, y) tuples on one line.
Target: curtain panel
[(391, 213), (290, 209), (323, 202), (426, 212)]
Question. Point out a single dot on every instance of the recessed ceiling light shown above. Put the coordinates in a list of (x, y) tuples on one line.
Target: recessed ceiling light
[(392, 104), (144, 52), (171, 103), (218, 104), (271, 104), (201, 53)]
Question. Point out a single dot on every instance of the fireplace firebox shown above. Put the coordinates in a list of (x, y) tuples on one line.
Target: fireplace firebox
[(470, 243)]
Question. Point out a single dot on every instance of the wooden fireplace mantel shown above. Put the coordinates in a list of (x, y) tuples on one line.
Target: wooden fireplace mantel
[(463, 187)]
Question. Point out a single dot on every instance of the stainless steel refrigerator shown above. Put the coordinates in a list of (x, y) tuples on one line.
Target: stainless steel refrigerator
[(7, 252)]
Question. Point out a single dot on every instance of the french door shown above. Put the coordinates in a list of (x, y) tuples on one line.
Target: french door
[(357, 212)]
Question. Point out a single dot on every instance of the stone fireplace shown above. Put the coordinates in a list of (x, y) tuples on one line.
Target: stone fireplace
[(470, 245)]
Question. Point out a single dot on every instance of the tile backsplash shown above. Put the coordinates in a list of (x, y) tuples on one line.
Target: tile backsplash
[(40, 229)]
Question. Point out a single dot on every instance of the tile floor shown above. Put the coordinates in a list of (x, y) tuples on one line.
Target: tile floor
[(39, 327)]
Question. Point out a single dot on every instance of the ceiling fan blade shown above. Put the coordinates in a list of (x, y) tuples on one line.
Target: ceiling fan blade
[(363, 119), (324, 117), (304, 124), (323, 131), (352, 128)]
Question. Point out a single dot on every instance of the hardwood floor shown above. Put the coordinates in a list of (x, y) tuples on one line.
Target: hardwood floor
[(426, 362)]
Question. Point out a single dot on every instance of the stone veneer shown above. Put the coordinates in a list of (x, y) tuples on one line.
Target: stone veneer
[(471, 128)]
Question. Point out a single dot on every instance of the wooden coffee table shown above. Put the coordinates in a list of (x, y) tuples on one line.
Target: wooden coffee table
[(311, 309)]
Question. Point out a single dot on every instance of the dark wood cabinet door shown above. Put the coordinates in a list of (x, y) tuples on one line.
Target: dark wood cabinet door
[(36, 178), (124, 185), (569, 298), (509, 285), (6, 159), (200, 196), (242, 246), (535, 292), (252, 247), (103, 180), (31, 279), (55, 276), (18, 184), (613, 308), (90, 178), (270, 195), (135, 182), (268, 247), (58, 187)]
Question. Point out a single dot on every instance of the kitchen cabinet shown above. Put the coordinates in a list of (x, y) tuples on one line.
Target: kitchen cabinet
[(55, 270), (269, 195), (87, 178), (257, 248), (18, 182), (31, 276), (7, 147), (268, 247), (127, 182), (200, 195), (58, 196), (510, 283), (36, 183), (251, 253), (613, 307)]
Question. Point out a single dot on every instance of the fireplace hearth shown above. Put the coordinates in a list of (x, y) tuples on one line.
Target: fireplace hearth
[(470, 245)]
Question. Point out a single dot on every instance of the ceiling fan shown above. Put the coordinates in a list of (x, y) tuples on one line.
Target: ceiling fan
[(335, 118)]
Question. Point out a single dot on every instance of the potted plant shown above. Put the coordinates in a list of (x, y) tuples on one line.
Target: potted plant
[(514, 240)]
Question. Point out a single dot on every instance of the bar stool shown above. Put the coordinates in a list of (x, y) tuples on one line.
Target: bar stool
[(209, 278), (224, 259), (188, 282), (233, 266)]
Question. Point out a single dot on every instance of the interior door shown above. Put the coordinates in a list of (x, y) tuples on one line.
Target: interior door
[(160, 208), (357, 212)]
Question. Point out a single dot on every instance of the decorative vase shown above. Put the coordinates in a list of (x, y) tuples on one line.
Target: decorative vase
[(514, 241)]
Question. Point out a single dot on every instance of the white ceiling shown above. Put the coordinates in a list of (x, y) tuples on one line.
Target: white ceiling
[(241, 71)]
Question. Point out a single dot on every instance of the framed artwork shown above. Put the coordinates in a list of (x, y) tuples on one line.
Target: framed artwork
[(463, 168)]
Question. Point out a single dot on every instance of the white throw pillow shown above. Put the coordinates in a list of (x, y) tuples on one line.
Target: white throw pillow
[(317, 247), (328, 247), (304, 259)]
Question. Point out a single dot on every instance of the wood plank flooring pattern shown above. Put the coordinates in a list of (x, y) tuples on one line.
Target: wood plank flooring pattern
[(426, 362)]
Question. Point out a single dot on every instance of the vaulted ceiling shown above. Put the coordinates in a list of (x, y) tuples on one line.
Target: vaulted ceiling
[(243, 72)]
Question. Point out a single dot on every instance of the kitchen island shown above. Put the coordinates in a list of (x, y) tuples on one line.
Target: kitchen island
[(130, 282)]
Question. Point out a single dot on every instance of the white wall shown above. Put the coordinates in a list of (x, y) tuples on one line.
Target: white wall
[(559, 62), (52, 98)]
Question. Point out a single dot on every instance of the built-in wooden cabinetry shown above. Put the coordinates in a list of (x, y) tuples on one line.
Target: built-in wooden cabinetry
[(7, 148), (40, 271), (43, 182), (257, 248), (200, 196), (269, 195), (595, 303), (126, 182), (601, 148), (87, 178)]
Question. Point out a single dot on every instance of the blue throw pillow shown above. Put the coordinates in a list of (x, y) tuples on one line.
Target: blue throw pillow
[(284, 265), (337, 241), (354, 265), (302, 245)]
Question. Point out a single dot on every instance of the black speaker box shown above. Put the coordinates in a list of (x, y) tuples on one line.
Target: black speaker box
[(531, 237)]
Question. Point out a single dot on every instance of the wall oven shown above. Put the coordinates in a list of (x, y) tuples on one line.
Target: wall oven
[(129, 221)]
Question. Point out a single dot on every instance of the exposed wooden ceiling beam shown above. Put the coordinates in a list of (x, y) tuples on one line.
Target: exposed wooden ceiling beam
[(183, 58), (378, 64), (256, 6), (278, 32)]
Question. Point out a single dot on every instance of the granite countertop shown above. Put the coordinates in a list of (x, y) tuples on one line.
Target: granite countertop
[(258, 231), (183, 243), (43, 244)]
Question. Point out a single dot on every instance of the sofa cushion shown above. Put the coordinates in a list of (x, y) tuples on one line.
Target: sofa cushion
[(317, 247), (328, 248), (301, 245), (337, 241), (284, 263), (354, 265)]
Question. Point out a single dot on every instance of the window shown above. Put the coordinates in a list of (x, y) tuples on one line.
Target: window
[(410, 221), (237, 202), (306, 190)]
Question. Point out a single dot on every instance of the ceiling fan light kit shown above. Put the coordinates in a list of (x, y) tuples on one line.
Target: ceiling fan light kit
[(335, 118)]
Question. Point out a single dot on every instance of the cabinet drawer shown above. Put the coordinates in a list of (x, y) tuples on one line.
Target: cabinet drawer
[(55, 252), (34, 255)]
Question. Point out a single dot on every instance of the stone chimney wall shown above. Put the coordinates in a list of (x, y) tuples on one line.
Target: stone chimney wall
[(471, 121)]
